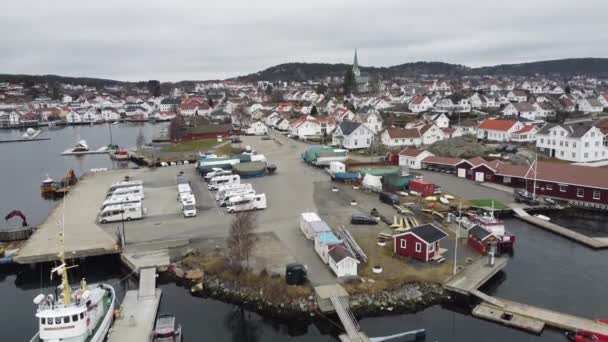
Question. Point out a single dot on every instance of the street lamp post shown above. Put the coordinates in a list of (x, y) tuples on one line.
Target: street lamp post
[(124, 237)]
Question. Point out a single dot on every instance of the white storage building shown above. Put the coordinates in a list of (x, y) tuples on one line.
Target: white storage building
[(324, 242), (342, 262)]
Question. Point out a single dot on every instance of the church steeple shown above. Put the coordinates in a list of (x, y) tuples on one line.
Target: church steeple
[(356, 70)]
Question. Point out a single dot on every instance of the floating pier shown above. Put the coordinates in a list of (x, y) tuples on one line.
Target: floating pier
[(23, 140), (596, 243), (138, 311)]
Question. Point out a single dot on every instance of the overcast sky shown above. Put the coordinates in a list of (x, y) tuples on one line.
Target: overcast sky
[(174, 40)]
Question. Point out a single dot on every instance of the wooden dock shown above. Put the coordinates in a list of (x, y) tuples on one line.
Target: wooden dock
[(475, 275), (531, 315), (596, 243), (138, 311), (23, 140)]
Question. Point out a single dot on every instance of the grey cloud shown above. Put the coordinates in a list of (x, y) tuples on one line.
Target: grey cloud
[(189, 39)]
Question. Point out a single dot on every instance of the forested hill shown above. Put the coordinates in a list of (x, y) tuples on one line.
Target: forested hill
[(306, 71)]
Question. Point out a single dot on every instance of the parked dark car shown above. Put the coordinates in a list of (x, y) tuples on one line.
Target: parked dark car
[(265, 137), (511, 149), (501, 147), (295, 274), (388, 198), (236, 140), (363, 219)]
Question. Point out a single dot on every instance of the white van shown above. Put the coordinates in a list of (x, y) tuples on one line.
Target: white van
[(234, 193), (183, 190), (189, 206), (133, 190), (223, 189), (244, 203), (218, 181), (120, 199), (119, 212), (125, 184)]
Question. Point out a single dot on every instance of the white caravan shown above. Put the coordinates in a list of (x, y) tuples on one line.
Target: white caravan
[(121, 199), (125, 184), (234, 193), (216, 182), (189, 206), (183, 190), (223, 189), (133, 190), (217, 172), (120, 212), (244, 203)]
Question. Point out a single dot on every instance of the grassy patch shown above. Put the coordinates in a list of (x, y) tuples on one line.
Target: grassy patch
[(191, 146), (396, 270), (487, 203)]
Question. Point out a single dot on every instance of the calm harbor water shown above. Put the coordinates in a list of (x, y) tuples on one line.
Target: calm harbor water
[(546, 270)]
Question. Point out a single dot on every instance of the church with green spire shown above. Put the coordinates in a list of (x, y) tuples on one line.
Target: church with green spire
[(361, 80)]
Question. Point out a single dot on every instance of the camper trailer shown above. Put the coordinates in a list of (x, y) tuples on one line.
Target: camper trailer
[(245, 203), (223, 201), (132, 190), (223, 189), (218, 181), (121, 212), (125, 184)]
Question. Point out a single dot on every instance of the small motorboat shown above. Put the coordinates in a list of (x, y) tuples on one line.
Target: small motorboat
[(444, 200), (115, 123), (81, 146), (48, 185), (588, 336), (165, 329), (31, 133), (543, 217), (120, 155)]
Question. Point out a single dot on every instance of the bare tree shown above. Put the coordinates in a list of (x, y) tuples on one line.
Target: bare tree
[(241, 239)]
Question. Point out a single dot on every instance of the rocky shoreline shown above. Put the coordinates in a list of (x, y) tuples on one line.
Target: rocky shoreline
[(407, 298)]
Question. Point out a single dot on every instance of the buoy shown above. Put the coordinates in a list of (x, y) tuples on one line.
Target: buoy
[(377, 269), (353, 202)]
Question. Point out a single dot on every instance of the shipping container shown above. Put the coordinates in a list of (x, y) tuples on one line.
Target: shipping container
[(346, 176)]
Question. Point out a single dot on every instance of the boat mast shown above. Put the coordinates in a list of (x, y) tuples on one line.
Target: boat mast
[(110, 126), (457, 233), (65, 283), (535, 172)]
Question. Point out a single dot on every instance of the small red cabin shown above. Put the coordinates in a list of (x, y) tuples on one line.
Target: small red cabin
[(424, 188), (421, 242), (480, 239)]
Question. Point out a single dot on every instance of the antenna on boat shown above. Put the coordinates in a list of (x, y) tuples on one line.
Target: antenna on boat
[(62, 269)]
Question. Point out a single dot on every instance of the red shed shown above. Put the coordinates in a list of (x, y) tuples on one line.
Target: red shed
[(422, 187), (421, 242), (480, 239)]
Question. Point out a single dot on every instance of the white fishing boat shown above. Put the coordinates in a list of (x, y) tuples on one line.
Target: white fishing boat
[(81, 146), (543, 217), (82, 314)]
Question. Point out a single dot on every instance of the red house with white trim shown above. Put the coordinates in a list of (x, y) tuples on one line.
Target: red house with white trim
[(421, 242)]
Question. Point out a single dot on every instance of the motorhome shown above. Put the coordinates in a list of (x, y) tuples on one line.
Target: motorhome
[(215, 173), (132, 190), (121, 212), (223, 189), (189, 206), (125, 184), (244, 203), (234, 193), (183, 190), (121, 199), (218, 181)]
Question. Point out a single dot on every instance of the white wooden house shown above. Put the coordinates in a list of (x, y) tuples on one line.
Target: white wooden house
[(256, 128), (352, 136), (342, 262)]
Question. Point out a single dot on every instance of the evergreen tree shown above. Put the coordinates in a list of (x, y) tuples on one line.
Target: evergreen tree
[(268, 90), (313, 111), (350, 83)]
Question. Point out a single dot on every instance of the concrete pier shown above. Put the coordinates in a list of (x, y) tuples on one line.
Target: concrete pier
[(596, 243), (475, 275), (83, 237), (138, 311)]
